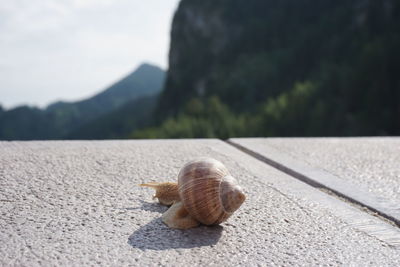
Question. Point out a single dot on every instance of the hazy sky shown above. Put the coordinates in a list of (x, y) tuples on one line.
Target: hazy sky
[(71, 49)]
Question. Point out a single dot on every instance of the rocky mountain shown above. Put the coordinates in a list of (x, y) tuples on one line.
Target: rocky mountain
[(290, 67), (61, 119)]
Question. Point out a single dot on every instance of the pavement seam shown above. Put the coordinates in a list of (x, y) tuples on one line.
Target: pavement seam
[(353, 215), (362, 205)]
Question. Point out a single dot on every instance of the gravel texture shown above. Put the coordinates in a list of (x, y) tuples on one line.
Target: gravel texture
[(78, 203)]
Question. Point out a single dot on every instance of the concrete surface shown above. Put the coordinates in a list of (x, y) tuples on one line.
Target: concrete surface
[(364, 169), (78, 203)]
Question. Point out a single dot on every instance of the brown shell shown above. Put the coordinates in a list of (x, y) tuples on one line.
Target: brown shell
[(208, 192)]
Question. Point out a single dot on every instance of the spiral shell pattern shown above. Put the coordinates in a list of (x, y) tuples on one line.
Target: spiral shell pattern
[(208, 192)]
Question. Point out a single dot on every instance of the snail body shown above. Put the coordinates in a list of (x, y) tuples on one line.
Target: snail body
[(205, 193), (167, 193)]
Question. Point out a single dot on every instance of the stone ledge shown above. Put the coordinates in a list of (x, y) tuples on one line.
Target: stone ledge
[(78, 203)]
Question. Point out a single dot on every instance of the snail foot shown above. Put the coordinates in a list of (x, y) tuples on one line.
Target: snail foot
[(178, 217)]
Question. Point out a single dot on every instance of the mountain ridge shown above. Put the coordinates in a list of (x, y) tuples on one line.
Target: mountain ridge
[(58, 119), (142, 71)]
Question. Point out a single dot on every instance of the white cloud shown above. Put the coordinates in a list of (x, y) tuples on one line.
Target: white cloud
[(90, 3), (69, 49)]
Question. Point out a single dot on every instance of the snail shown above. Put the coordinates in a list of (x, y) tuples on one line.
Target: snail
[(206, 193)]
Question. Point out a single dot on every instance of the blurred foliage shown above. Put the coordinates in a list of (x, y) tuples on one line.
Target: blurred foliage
[(211, 118), (207, 119)]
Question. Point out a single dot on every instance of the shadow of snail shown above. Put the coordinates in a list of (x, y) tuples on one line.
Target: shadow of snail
[(155, 235)]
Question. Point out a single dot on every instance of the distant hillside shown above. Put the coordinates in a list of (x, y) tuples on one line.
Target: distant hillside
[(26, 123), (282, 68), (60, 119), (119, 123), (144, 81)]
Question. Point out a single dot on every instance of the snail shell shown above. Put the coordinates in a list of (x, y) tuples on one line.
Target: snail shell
[(208, 192)]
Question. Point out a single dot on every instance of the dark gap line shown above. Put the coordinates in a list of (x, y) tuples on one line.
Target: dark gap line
[(301, 177)]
